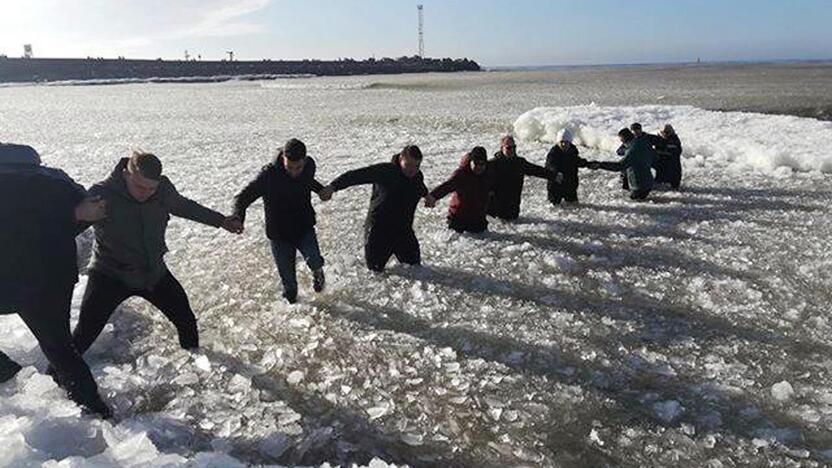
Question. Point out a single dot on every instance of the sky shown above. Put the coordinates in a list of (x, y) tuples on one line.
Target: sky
[(493, 32)]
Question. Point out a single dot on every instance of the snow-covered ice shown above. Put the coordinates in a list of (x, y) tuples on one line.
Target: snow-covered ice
[(612, 333)]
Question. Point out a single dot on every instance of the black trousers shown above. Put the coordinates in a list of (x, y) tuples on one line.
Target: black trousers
[(380, 245), (557, 194), (104, 294), (467, 226), (46, 313), (639, 194)]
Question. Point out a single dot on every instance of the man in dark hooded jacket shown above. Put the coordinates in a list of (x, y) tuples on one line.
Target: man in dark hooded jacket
[(471, 185), (129, 249), (564, 161), (510, 172), (669, 171), (42, 211), (397, 188), (286, 187), (638, 159)]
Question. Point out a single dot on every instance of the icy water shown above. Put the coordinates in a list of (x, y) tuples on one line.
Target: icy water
[(690, 330)]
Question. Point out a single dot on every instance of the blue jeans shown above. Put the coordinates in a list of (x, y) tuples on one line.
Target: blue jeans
[(285, 256)]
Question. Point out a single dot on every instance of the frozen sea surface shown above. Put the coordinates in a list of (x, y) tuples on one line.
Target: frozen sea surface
[(690, 330)]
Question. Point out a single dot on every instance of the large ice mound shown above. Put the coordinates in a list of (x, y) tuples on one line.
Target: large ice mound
[(756, 141)]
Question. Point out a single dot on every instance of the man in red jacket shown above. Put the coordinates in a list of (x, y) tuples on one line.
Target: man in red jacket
[(471, 185)]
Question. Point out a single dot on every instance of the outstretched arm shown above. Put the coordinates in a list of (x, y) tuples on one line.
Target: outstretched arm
[(534, 170), (365, 175), (447, 187), (249, 195), (184, 207)]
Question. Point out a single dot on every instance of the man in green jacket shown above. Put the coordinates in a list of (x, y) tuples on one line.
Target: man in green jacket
[(128, 255), (638, 159)]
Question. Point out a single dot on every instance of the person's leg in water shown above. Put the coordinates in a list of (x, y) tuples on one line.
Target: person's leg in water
[(407, 250), (46, 313), (311, 251), (570, 196), (462, 227), (170, 298), (285, 257), (639, 194), (101, 298), (378, 249), (625, 182), (8, 368)]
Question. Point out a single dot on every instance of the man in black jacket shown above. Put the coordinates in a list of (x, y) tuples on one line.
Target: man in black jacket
[(38, 272), (286, 186), (509, 172), (397, 188)]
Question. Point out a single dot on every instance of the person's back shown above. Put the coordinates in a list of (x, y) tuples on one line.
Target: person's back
[(638, 162), (38, 247)]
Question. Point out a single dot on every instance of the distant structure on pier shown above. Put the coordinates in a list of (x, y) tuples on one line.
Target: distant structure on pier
[(421, 9), (27, 51)]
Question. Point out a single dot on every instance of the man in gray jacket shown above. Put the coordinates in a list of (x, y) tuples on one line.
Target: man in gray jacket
[(128, 255)]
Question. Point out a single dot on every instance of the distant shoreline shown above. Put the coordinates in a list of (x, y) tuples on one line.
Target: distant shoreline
[(508, 68), (114, 71)]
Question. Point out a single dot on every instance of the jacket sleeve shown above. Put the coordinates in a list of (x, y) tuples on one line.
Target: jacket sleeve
[(446, 187), (184, 207), (94, 191), (314, 184), (534, 170), (365, 175), (551, 158), (254, 190)]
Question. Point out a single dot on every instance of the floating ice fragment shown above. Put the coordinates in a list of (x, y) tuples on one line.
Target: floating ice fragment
[(669, 410), (782, 391), (377, 412), (595, 438), (295, 377), (413, 439), (202, 363), (288, 418)]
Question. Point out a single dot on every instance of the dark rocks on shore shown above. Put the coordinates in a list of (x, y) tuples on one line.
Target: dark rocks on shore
[(35, 70)]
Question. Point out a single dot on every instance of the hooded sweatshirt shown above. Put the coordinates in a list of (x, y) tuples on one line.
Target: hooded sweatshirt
[(395, 196), (286, 200), (130, 241), (469, 202)]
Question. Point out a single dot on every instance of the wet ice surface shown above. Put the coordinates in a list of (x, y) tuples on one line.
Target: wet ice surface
[(690, 330)]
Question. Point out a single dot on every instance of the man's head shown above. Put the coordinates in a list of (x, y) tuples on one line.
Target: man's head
[(478, 160), (564, 138), (294, 157), (636, 129), (410, 159), (625, 135), (142, 175), (668, 131), (507, 146)]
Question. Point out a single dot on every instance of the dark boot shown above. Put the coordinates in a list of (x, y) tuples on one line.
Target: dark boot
[(318, 280), (95, 406), (291, 296)]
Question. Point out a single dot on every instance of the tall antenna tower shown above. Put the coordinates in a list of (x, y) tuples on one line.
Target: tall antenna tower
[(421, 9)]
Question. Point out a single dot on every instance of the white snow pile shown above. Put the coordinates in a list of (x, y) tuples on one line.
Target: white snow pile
[(753, 141)]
